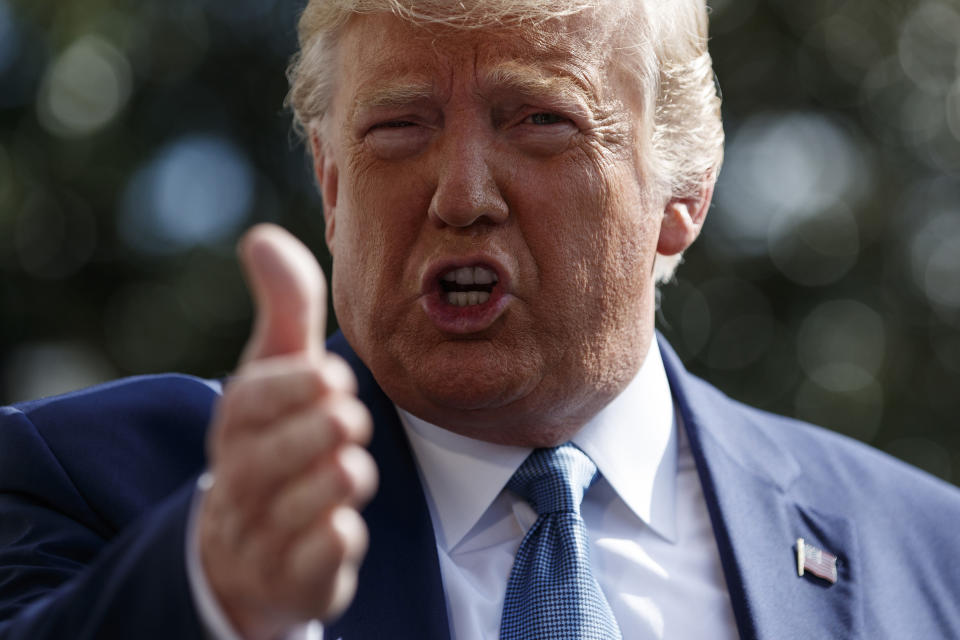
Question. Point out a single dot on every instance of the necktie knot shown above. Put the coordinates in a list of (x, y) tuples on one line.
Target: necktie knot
[(554, 480)]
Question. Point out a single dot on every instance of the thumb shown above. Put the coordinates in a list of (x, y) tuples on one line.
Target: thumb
[(289, 294)]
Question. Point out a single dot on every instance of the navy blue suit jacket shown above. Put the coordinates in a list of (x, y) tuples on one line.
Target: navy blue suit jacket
[(95, 488)]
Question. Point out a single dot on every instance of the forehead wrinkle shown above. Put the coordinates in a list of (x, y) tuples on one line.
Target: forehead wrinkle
[(535, 80)]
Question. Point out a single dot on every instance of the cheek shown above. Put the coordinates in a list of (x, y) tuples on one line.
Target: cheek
[(377, 225), (595, 233), (370, 209), (360, 243)]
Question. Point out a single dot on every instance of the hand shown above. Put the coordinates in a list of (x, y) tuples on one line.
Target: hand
[(281, 538)]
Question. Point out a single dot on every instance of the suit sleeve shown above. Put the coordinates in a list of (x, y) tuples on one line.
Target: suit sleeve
[(67, 571)]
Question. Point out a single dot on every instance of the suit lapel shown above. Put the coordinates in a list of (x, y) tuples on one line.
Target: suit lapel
[(400, 593), (751, 486)]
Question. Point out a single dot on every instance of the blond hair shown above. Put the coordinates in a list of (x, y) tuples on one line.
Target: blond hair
[(664, 47)]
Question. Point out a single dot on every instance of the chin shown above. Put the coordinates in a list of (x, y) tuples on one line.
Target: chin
[(470, 390), (471, 374)]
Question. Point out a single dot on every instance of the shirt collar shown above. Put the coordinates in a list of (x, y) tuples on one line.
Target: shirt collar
[(633, 442)]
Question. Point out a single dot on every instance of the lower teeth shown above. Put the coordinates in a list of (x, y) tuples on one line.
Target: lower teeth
[(466, 298)]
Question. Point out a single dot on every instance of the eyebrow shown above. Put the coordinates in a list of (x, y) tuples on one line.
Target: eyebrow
[(396, 95), (536, 81), (526, 79)]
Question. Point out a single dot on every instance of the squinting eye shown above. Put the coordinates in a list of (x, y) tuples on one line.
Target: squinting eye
[(545, 118), (397, 139), (394, 124)]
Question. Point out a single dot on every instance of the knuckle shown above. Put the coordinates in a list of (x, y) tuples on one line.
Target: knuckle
[(360, 539), (314, 380), (359, 473), (369, 478), (364, 431), (338, 545), (335, 418), (349, 419), (339, 477), (341, 591), (348, 533), (360, 422), (338, 374)]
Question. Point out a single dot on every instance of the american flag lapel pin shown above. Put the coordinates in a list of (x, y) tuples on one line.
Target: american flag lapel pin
[(816, 561)]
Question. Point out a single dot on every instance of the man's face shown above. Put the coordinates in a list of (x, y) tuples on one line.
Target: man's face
[(492, 232)]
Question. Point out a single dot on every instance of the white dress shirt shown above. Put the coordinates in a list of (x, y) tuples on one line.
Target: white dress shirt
[(653, 550)]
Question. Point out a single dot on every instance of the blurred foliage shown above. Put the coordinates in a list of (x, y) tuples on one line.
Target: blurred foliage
[(138, 138)]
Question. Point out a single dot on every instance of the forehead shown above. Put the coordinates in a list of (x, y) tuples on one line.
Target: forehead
[(379, 50)]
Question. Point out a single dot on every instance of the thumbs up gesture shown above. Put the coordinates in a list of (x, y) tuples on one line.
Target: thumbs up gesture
[(281, 538)]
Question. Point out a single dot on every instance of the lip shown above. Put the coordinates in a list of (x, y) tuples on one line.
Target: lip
[(472, 318)]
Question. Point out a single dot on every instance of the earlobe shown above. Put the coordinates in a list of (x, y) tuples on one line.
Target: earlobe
[(682, 220), (327, 176)]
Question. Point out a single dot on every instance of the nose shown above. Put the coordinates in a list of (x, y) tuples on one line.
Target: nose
[(467, 192)]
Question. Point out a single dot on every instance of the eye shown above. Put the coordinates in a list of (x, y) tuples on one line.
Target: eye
[(396, 139), (544, 118), (544, 133)]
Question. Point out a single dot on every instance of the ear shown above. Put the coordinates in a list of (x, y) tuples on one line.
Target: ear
[(682, 220), (327, 175)]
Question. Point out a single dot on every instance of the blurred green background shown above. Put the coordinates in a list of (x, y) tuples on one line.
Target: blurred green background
[(138, 138)]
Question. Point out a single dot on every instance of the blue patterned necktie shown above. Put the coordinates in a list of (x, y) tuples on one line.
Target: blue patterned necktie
[(552, 594)]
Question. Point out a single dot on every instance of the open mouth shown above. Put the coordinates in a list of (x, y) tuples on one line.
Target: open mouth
[(466, 295), (467, 286)]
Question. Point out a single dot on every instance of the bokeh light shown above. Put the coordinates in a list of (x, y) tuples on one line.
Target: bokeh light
[(198, 190), (85, 88), (929, 44), (851, 48), (781, 169), (935, 260)]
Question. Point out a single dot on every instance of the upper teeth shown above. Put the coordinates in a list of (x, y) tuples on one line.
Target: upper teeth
[(471, 275)]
